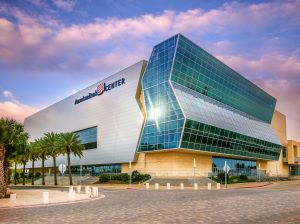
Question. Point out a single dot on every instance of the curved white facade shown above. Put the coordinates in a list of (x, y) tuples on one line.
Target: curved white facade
[(116, 114)]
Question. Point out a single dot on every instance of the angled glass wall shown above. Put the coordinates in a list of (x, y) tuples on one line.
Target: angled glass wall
[(163, 127), (200, 71)]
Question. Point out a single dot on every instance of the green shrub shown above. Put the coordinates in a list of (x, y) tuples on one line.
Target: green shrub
[(136, 176), (37, 175), (30, 175), (124, 177), (23, 175), (16, 176), (146, 177), (243, 177), (104, 178), (221, 176)]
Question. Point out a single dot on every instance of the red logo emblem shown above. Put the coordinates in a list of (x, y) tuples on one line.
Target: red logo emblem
[(101, 88)]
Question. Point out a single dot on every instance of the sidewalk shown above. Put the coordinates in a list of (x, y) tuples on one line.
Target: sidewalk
[(34, 197)]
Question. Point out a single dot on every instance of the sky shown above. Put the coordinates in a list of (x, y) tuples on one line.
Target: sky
[(51, 49)]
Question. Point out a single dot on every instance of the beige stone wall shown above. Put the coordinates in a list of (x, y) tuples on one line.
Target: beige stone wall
[(279, 125), (277, 167), (274, 167), (171, 163), (293, 148)]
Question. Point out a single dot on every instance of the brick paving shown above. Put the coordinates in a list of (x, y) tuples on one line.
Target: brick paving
[(265, 205)]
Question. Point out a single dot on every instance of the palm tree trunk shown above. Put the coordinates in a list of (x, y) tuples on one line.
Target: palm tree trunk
[(24, 173), (3, 184), (55, 176), (32, 177), (43, 170), (69, 168), (15, 175)]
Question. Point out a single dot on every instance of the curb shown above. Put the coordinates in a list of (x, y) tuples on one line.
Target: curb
[(53, 204), (259, 186)]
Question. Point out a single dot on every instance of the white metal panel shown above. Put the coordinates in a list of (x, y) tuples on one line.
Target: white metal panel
[(209, 111), (116, 113)]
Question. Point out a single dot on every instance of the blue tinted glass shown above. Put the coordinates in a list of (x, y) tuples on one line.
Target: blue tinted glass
[(200, 71), (164, 117), (88, 137)]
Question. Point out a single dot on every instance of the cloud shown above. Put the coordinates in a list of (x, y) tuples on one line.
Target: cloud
[(46, 42), (7, 93), (12, 108), (66, 5)]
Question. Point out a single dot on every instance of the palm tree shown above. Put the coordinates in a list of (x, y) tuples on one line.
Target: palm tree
[(69, 143), (12, 138), (33, 156), (43, 154), (24, 157), (51, 140)]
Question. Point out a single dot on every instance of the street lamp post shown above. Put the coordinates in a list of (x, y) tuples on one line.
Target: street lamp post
[(194, 170), (259, 172), (130, 172)]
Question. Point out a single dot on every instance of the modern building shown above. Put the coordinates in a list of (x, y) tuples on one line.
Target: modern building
[(183, 108)]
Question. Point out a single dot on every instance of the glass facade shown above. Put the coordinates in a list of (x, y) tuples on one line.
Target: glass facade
[(88, 137), (294, 170), (205, 137), (97, 169), (200, 71), (220, 111), (165, 120), (237, 166)]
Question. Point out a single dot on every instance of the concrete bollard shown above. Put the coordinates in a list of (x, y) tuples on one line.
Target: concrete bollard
[(87, 190), (181, 186), (208, 186), (147, 186), (45, 198), (218, 186), (168, 186), (72, 195), (71, 189), (13, 197), (156, 186), (95, 192), (78, 189), (195, 186)]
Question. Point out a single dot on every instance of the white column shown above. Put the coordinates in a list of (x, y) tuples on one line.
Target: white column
[(168, 186), (181, 186), (45, 197), (147, 185), (79, 189), (195, 186), (208, 186), (13, 197), (156, 186), (95, 192), (72, 195)]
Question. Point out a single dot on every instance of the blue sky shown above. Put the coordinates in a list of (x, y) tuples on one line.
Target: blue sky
[(51, 49)]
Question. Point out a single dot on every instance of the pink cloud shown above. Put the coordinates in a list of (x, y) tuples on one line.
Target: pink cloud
[(47, 39), (12, 108)]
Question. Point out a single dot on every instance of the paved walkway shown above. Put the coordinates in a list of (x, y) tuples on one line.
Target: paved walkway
[(33, 197)]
